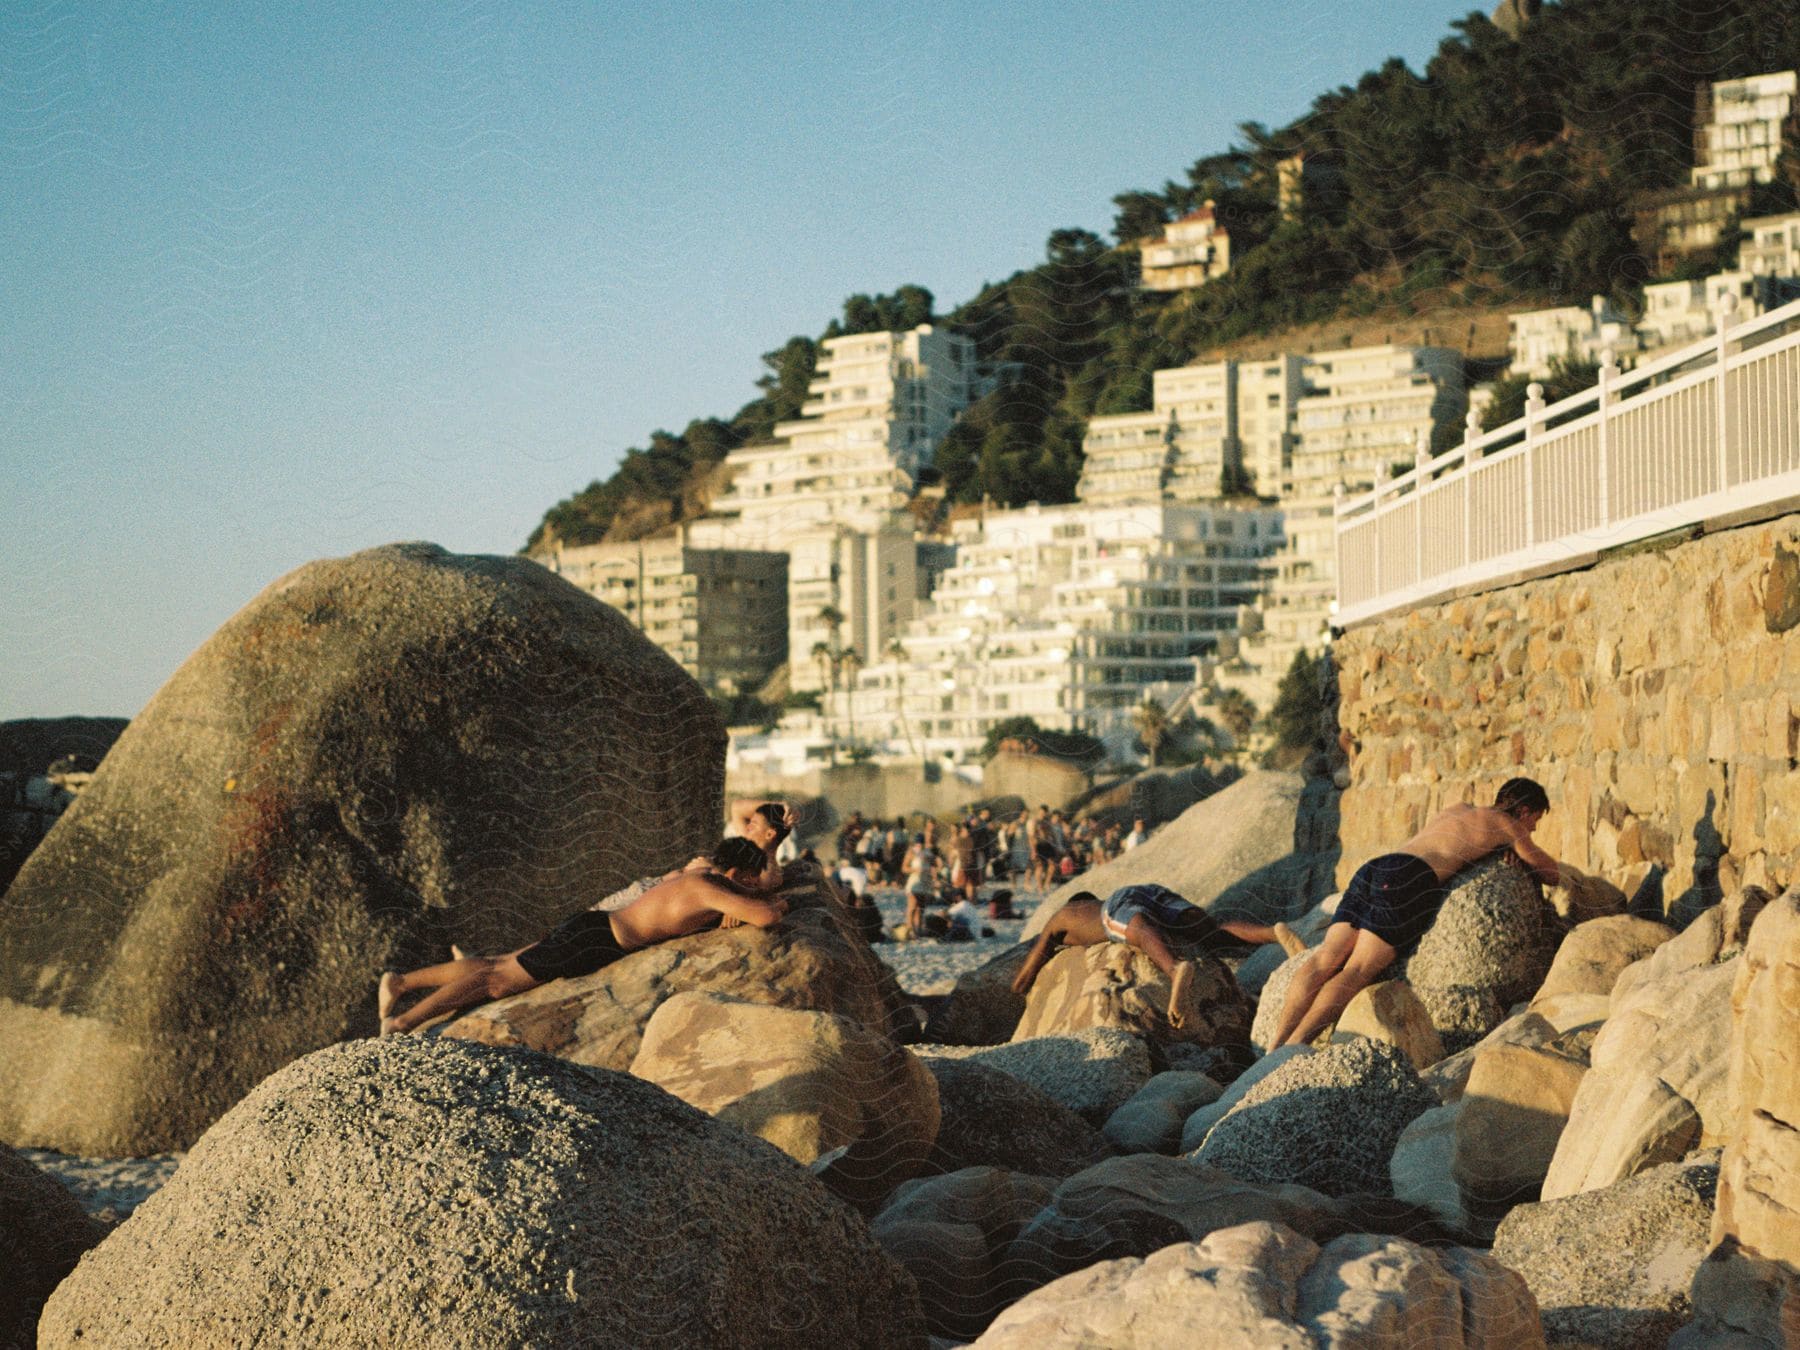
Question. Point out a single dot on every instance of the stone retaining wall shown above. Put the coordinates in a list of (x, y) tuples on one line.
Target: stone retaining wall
[(1655, 695)]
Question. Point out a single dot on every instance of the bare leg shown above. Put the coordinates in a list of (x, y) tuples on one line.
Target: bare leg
[(1325, 961), (457, 985), (1371, 957), (1259, 933), (1041, 952)]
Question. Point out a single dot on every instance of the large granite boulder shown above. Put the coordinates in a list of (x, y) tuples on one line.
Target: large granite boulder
[(949, 1233), (464, 1195), (989, 1118), (1747, 1294), (1234, 855), (1489, 948), (1093, 1072), (1611, 1268), (810, 1083), (1328, 1120), (1716, 934), (1270, 1002), (43, 1232), (1203, 1118), (812, 960), (1261, 1284), (1657, 1086), (982, 1008), (378, 756), (1116, 985), (1594, 954)]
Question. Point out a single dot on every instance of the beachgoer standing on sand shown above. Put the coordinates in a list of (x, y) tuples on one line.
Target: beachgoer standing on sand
[(685, 902), (1392, 901), (1155, 920)]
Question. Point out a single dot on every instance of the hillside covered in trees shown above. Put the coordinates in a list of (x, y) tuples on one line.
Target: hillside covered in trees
[(1503, 175)]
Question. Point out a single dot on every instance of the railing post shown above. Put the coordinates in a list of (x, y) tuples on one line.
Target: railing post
[(1381, 481), (1471, 454), (1727, 307), (1609, 371), (1534, 409), (1337, 533), (1421, 456)]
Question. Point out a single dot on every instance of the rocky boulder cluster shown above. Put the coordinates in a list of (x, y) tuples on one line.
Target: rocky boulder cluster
[(1536, 1134)]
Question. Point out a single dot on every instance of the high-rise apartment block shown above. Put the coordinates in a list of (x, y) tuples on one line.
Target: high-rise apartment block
[(1211, 428), (721, 613), (1070, 615)]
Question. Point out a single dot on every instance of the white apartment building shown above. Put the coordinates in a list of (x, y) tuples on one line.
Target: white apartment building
[(1771, 246), (1738, 129), (831, 491), (721, 613), (1070, 615), (1191, 252), (880, 404), (1569, 334), (1677, 312), (1203, 419), (1365, 409)]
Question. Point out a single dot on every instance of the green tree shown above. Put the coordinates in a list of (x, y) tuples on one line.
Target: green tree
[(1295, 716), (1151, 720), (1237, 712), (1566, 379), (1018, 728)]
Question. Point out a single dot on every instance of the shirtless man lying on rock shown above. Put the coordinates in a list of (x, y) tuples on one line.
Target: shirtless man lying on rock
[(1155, 920), (1393, 900), (684, 902)]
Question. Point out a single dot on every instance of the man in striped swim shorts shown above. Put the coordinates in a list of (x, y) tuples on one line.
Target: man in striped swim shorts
[(1160, 924)]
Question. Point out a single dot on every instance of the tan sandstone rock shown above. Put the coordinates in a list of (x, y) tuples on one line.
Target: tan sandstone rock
[(982, 1009), (808, 1082), (1747, 1294), (1391, 1012), (1116, 985), (1594, 953), (1657, 1085), (1513, 1112), (378, 756), (1264, 1285)]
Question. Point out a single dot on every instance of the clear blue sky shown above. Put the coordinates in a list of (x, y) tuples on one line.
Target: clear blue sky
[(280, 282)]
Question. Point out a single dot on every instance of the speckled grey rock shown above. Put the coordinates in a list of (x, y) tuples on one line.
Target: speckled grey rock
[(1495, 933), (1462, 1013), (1269, 1002), (378, 756), (1194, 1131), (1151, 1122), (982, 1009), (1611, 1268), (43, 1233), (1263, 1285), (453, 1194), (988, 1118), (1328, 1120), (1092, 1071)]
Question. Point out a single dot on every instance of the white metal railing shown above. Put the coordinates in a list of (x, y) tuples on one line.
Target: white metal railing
[(1706, 431)]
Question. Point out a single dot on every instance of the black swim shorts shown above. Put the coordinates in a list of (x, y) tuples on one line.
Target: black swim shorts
[(1396, 897), (579, 945), (1180, 922)]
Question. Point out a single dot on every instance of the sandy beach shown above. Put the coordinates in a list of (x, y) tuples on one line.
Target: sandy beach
[(928, 967)]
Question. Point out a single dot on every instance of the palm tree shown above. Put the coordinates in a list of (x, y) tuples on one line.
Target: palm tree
[(823, 658), (897, 650), (1239, 715), (849, 662), (1152, 722)]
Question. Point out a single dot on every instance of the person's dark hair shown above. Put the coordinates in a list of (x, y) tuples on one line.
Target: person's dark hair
[(1083, 896), (776, 814), (1519, 795), (737, 855)]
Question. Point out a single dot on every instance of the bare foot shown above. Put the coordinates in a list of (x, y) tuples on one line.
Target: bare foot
[(457, 953), (390, 1026), (1182, 1008), (387, 994), (1290, 940)]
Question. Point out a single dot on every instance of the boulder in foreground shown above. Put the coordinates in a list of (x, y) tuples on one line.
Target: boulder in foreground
[(453, 1194), (43, 1233), (1264, 1285), (376, 757)]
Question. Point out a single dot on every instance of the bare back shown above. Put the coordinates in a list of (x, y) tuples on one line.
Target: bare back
[(1458, 835), (684, 903)]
